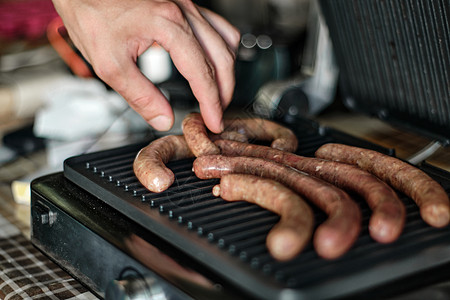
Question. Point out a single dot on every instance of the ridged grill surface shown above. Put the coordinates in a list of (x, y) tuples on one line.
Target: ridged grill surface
[(239, 229), (394, 58)]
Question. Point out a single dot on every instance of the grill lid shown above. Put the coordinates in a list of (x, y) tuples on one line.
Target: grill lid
[(394, 59)]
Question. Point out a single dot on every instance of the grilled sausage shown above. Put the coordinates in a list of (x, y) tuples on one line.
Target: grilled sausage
[(200, 143), (282, 138), (149, 164), (196, 135), (333, 237), (429, 195), (294, 230), (230, 136), (388, 212)]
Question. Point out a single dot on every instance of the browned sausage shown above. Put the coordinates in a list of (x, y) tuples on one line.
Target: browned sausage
[(149, 164), (389, 214), (333, 237), (196, 135), (429, 195), (200, 142), (282, 138), (230, 136), (294, 230)]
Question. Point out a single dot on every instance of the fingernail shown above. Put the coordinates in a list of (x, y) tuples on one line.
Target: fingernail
[(161, 123)]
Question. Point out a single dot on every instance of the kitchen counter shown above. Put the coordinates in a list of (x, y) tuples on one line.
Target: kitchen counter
[(405, 143)]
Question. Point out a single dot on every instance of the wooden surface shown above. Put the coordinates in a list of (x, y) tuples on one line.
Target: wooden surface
[(405, 144)]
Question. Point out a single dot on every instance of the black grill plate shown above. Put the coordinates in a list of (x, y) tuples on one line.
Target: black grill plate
[(229, 238)]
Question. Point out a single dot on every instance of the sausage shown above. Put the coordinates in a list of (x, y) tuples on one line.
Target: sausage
[(149, 164), (429, 195), (334, 236), (388, 212), (294, 230), (196, 135), (282, 138), (229, 135), (200, 142)]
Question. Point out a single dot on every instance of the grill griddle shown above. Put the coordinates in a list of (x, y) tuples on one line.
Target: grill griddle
[(228, 238)]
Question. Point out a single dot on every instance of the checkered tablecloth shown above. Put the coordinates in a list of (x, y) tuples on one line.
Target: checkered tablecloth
[(25, 273)]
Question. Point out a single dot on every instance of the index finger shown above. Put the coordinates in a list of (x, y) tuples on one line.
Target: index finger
[(198, 71), (202, 56)]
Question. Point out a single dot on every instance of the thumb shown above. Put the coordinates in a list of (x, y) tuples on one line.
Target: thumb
[(142, 95)]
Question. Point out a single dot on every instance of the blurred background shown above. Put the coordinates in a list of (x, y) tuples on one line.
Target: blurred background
[(53, 106)]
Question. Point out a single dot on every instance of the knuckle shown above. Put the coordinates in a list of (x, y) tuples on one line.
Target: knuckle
[(235, 36), (187, 5), (210, 71), (107, 72), (229, 59), (171, 11), (111, 74), (140, 103)]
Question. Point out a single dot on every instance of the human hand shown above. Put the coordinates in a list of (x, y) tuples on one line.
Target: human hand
[(112, 34)]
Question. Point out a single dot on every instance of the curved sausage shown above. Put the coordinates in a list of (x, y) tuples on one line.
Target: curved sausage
[(149, 164), (429, 195), (196, 135), (294, 230), (282, 138), (200, 142), (333, 237), (388, 212)]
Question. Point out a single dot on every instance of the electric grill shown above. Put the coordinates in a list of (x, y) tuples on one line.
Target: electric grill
[(102, 226), (98, 223)]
